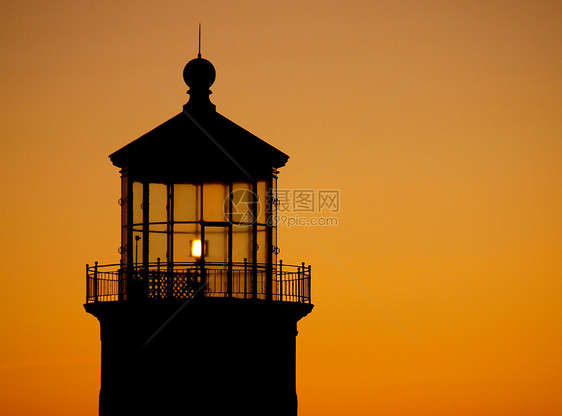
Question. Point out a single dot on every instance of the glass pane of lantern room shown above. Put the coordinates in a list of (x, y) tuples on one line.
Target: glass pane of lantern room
[(262, 245), (184, 235), (215, 202), (242, 203), (262, 192), (187, 202), (241, 243), (157, 243), (216, 244), (158, 197), (241, 249), (262, 260), (136, 246), (216, 258), (137, 202)]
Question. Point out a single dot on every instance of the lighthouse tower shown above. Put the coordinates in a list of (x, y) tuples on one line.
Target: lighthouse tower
[(199, 316)]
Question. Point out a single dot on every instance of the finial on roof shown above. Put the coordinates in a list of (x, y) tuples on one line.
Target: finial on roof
[(199, 74)]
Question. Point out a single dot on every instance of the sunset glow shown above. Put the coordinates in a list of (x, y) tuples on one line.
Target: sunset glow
[(427, 134)]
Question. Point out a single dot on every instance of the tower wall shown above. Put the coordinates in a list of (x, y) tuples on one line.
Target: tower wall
[(215, 357)]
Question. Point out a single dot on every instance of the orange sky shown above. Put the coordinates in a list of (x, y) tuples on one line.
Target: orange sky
[(450, 196)]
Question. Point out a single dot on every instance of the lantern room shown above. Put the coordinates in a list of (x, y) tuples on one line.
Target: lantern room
[(198, 210)]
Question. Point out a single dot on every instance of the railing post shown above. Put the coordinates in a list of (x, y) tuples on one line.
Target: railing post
[(87, 283), (144, 280), (170, 276), (281, 280), (268, 279), (229, 278), (169, 279), (301, 283), (120, 288), (96, 281), (203, 269), (158, 279), (309, 278), (245, 277), (295, 284)]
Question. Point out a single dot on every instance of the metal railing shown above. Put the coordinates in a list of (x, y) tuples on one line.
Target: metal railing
[(276, 282)]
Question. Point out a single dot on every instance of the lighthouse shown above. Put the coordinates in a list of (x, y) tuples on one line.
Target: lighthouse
[(199, 314)]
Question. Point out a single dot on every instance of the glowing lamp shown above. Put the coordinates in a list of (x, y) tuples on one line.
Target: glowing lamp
[(196, 248)]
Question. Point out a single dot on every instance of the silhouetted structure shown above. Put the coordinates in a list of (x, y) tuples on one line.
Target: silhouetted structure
[(198, 318)]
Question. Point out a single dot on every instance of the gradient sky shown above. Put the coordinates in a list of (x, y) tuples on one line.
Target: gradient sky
[(451, 196)]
